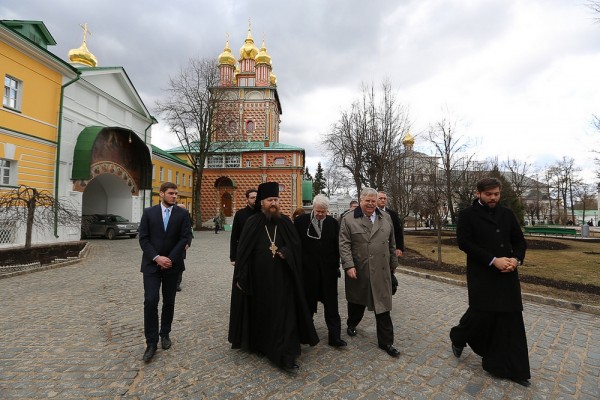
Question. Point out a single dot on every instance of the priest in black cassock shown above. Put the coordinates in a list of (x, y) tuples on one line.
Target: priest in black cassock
[(269, 314), (493, 324)]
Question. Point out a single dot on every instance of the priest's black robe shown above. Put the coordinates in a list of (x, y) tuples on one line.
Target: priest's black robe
[(493, 324), (269, 315)]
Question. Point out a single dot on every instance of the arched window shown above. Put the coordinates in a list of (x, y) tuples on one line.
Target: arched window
[(250, 126)]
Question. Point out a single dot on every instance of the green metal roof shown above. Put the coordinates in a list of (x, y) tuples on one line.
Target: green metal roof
[(35, 31), (82, 156), (240, 147), (164, 154)]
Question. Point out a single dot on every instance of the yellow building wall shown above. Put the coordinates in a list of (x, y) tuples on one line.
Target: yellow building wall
[(37, 119), (35, 161), (183, 187), (40, 95)]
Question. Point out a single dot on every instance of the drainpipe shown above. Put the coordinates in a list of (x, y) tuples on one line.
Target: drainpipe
[(152, 122), (57, 167)]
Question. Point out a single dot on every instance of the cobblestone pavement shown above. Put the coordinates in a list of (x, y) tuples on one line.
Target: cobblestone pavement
[(76, 332)]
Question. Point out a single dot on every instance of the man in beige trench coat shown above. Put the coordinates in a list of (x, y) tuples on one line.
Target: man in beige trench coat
[(367, 250)]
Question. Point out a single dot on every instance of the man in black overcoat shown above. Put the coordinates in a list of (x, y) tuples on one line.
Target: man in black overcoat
[(268, 313), (398, 231), (493, 324), (165, 230), (239, 219), (319, 234)]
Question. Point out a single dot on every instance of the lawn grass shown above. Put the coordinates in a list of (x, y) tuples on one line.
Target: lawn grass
[(576, 262)]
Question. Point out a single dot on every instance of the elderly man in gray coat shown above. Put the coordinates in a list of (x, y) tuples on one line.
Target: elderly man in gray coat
[(367, 250)]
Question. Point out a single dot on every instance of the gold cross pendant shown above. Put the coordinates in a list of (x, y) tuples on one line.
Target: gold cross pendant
[(273, 249)]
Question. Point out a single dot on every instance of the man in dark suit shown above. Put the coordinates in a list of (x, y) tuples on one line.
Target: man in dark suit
[(239, 219), (398, 231), (319, 235), (164, 232), (493, 324)]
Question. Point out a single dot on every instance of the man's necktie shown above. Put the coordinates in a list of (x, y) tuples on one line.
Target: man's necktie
[(166, 218)]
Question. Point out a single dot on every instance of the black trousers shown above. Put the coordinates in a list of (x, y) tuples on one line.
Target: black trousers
[(385, 328), (152, 286), (332, 318), (499, 338)]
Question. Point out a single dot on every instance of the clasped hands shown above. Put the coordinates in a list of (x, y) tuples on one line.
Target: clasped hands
[(164, 262), (505, 264)]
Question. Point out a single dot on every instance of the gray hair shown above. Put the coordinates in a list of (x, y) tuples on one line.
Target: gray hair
[(368, 192), (321, 200)]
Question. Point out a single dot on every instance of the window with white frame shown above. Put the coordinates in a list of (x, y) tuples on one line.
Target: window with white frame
[(183, 179), (177, 177), (13, 90), (153, 172), (215, 161), (279, 161), (8, 173), (233, 161), (161, 174), (190, 183), (170, 175)]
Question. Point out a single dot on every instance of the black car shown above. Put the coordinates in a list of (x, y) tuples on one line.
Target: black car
[(108, 226)]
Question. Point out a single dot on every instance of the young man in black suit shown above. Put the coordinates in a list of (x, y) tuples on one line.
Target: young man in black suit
[(164, 232)]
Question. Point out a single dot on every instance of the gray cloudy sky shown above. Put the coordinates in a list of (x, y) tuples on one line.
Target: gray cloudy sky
[(521, 77)]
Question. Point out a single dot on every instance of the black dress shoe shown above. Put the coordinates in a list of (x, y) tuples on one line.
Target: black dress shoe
[(292, 368), (522, 382), (149, 353), (337, 343), (457, 351), (351, 330), (391, 350), (165, 342)]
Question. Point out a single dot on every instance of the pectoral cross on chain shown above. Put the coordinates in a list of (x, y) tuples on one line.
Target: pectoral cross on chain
[(273, 249)]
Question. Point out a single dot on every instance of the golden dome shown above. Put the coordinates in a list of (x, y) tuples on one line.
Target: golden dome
[(263, 57), (408, 139), (226, 58), (82, 55), (272, 79), (249, 49)]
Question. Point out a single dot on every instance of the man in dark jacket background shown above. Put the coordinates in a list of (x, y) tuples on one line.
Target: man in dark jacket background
[(321, 264), (239, 219), (493, 324)]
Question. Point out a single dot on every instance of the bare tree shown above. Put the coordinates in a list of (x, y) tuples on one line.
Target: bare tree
[(518, 172), (191, 110), (455, 163), (366, 138), (337, 180), (32, 207)]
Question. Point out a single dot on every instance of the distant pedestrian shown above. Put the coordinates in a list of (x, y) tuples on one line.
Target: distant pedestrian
[(217, 222), (493, 324), (165, 230)]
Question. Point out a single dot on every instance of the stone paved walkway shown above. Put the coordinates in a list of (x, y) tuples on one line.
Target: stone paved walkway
[(76, 332)]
